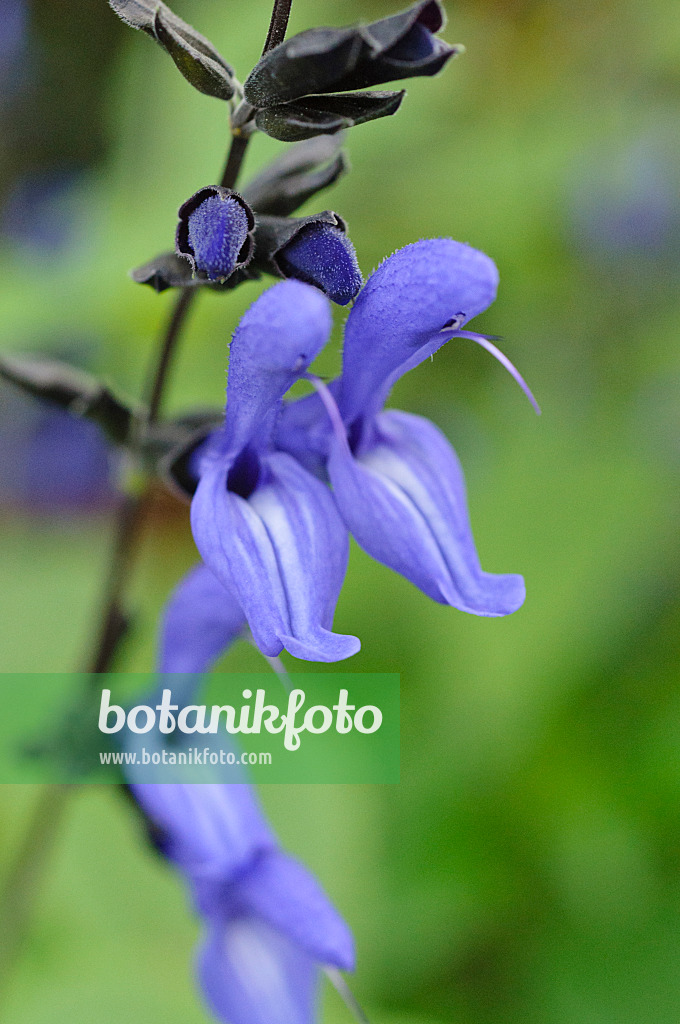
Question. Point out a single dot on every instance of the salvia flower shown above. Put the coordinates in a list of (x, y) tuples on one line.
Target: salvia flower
[(215, 233), (268, 925), (396, 480), (268, 529), (200, 621), (314, 249)]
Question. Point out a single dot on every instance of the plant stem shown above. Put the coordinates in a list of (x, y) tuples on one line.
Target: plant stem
[(20, 883), (232, 168), (131, 511), (159, 377), (278, 24)]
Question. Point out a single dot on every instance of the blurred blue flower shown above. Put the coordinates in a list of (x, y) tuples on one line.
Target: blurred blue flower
[(51, 462), (200, 621), (269, 926), (624, 204), (13, 28), (39, 213), (266, 528)]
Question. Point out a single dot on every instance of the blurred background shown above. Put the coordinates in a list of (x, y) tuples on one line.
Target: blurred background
[(527, 868)]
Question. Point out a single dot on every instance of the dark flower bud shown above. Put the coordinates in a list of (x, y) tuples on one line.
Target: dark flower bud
[(215, 233), (313, 249), (323, 60), (324, 256)]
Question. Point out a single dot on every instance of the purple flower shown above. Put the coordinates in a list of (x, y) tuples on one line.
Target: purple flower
[(269, 530), (269, 926), (13, 31), (51, 462), (396, 480), (200, 621)]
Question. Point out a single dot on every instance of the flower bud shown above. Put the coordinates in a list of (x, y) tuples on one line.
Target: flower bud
[(214, 233), (328, 60), (322, 255)]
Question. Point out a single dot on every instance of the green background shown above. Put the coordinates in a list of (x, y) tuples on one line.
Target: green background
[(527, 868)]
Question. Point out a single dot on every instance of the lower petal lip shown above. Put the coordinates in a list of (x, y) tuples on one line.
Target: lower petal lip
[(328, 647), (511, 600)]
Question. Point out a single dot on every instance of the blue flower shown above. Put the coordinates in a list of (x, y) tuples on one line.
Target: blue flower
[(272, 535), (200, 621), (51, 462), (267, 529), (269, 927), (396, 480)]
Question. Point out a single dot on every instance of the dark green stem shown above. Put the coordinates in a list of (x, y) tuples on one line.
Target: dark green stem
[(22, 879), (278, 24)]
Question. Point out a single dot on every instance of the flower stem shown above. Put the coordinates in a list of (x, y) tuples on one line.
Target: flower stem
[(20, 882), (278, 24), (131, 512)]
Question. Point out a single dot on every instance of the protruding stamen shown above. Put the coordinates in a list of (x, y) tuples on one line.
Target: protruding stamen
[(331, 407), (279, 668), (342, 988), (487, 344)]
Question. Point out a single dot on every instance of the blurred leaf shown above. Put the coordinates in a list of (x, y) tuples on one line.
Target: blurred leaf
[(71, 389)]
